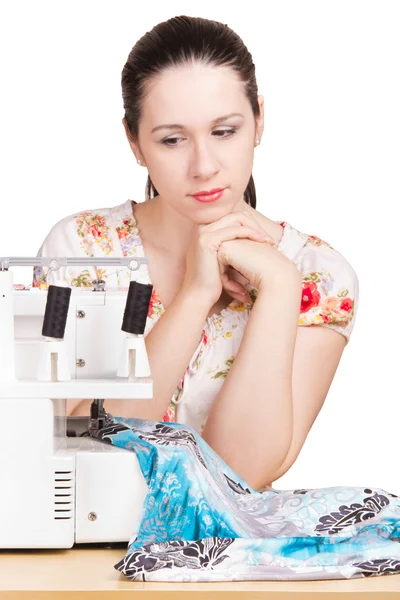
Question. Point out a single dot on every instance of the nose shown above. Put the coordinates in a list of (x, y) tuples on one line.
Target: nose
[(204, 162)]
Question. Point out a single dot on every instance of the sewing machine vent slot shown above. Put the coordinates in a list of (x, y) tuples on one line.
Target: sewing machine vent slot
[(63, 499)]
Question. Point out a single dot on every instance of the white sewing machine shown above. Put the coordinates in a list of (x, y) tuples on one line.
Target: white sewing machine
[(58, 488)]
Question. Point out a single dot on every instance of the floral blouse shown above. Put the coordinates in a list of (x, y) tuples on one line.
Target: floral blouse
[(329, 298)]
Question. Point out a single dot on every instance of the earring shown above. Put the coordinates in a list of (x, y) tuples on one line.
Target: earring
[(257, 142), (139, 161)]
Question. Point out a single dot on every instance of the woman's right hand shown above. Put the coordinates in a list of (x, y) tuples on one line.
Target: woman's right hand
[(204, 274)]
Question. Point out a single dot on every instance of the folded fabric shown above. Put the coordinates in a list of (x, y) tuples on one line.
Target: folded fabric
[(200, 521)]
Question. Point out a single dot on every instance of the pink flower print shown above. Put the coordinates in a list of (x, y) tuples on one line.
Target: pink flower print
[(123, 233), (94, 231), (336, 310)]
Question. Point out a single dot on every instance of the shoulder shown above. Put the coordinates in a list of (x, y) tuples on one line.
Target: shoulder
[(85, 230), (330, 284), (319, 256), (88, 233)]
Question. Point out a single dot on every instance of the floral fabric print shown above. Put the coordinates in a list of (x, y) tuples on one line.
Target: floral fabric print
[(329, 298)]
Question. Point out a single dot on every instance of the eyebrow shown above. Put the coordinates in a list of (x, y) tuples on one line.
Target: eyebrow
[(214, 122)]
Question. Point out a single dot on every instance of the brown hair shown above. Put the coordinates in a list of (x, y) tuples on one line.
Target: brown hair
[(180, 40)]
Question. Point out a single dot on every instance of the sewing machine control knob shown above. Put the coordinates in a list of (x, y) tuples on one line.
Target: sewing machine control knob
[(80, 362), (92, 516), (80, 314)]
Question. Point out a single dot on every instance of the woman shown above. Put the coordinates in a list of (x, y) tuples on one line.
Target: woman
[(193, 119), (231, 348)]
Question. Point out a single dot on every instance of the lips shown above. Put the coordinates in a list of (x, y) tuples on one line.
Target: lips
[(205, 192), (208, 196)]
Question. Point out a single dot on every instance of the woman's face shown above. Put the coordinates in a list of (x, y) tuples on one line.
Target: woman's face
[(186, 150)]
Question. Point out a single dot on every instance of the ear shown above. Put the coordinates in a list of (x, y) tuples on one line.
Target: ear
[(132, 142), (260, 119)]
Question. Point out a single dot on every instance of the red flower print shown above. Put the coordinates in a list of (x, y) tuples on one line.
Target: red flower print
[(94, 231), (169, 415), (346, 304), (154, 299), (150, 311), (310, 296), (325, 318)]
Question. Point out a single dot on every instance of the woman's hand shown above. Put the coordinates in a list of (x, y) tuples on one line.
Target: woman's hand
[(204, 272), (258, 262)]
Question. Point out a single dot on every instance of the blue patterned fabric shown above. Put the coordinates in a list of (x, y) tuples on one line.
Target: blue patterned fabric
[(200, 521)]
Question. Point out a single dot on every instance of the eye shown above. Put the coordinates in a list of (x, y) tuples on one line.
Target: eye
[(229, 131), (170, 142)]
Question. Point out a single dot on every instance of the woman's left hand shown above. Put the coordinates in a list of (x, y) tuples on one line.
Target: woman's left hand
[(260, 263)]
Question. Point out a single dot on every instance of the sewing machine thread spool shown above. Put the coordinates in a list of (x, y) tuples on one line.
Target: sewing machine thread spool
[(137, 307), (56, 312), (53, 360), (134, 362)]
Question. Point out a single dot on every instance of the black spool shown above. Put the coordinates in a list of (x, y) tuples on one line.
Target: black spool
[(55, 316), (137, 307)]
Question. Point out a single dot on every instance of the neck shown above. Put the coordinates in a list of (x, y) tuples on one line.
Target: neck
[(171, 232)]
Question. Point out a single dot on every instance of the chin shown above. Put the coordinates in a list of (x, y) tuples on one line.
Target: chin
[(210, 214)]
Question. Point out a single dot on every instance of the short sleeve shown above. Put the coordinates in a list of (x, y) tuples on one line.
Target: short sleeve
[(330, 288), (80, 235)]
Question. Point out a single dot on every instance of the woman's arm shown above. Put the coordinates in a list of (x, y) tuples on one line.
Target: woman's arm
[(170, 345), (250, 423), (74, 404)]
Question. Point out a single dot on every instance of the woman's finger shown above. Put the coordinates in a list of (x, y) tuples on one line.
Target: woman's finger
[(245, 298), (240, 218), (215, 238), (234, 288), (230, 285)]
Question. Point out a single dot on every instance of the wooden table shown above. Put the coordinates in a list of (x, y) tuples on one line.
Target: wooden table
[(88, 573)]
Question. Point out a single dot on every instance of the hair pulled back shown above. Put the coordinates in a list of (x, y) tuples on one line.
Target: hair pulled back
[(178, 41)]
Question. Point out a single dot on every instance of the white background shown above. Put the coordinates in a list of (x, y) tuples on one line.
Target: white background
[(328, 164)]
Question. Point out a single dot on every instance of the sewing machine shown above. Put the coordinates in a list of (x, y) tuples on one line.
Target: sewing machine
[(59, 487)]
